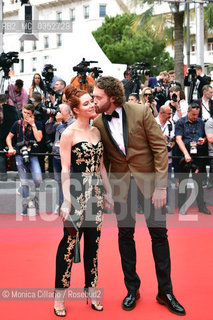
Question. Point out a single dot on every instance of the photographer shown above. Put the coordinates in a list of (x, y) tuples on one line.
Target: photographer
[(82, 80), (134, 98), (39, 112), (172, 79), (209, 135), (8, 115), (88, 84), (206, 103), (167, 127), (42, 116), (132, 82), (177, 103), (158, 80), (60, 86), (63, 119), (49, 78), (16, 95), (128, 83), (26, 132), (196, 79), (147, 99), (191, 139), (55, 95)]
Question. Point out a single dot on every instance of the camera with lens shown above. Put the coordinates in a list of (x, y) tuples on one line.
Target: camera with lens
[(25, 148), (160, 96), (50, 109), (138, 69), (151, 98), (174, 97), (169, 141), (7, 60), (58, 95)]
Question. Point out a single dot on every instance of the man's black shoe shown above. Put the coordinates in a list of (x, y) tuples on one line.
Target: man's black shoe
[(129, 301), (204, 210), (172, 304)]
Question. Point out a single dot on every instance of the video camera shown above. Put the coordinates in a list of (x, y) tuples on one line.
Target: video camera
[(7, 60), (82, 68), (138, 69), (48, 73), (25, 148), (192, 70)]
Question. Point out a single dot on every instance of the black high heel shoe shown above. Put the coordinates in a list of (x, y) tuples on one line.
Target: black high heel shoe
[(97, 306)]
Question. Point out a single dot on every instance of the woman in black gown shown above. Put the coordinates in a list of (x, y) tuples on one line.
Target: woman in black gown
[(84, 198)]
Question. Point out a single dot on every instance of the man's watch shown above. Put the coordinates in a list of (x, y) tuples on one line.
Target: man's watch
[(33, 125)]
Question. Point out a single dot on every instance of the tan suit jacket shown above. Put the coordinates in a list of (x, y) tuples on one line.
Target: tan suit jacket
[(146, 156)]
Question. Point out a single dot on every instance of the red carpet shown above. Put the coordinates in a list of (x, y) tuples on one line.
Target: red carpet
[(28, 251)]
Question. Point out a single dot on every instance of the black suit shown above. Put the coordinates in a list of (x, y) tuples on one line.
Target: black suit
[(141, 135)]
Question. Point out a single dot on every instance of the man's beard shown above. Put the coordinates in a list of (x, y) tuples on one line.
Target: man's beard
[(104, 107)]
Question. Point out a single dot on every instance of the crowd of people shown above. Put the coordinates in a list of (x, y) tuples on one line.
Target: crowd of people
[(131, 135), (166, 99)]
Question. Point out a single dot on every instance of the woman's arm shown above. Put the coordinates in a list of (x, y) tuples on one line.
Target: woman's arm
[(65, 153), (154, 106), (30, 92), (109, 202)]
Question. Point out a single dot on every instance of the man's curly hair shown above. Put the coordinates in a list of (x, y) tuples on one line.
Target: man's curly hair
[(113, 88)]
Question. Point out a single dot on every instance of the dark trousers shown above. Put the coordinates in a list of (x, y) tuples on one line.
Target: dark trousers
[(65, 253), (197, 177), (57, 177), (156, 223), (41, 160), (3, 167), (211, 171)]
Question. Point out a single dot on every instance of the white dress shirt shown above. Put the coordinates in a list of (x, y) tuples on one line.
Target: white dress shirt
[(116, 128), (205, 110), (165, 130)]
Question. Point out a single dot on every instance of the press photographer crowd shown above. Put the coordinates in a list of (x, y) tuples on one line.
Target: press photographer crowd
[(32, 121)]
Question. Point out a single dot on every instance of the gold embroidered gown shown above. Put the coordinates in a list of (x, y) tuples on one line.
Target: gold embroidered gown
[(86, 212)]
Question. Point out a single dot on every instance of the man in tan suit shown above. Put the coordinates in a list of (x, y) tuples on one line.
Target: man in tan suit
[(137, 161)]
